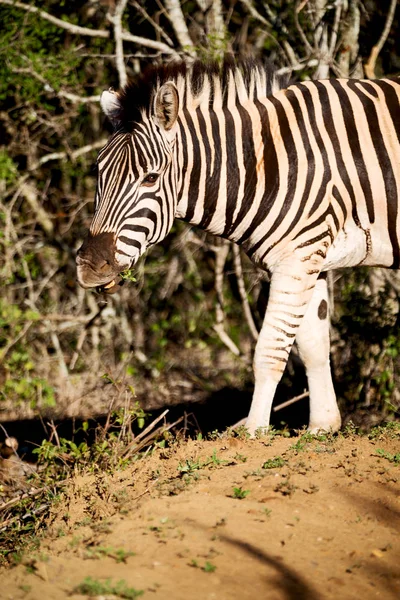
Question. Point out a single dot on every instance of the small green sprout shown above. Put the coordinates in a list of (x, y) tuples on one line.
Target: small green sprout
[(240, 493)]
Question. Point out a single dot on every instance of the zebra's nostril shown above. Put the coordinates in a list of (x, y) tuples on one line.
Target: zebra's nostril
[(105, 266)]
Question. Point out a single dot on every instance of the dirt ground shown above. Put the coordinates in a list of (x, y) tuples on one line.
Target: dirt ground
[(318, 519)]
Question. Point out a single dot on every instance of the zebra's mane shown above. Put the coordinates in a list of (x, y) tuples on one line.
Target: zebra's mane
[(250, 77)]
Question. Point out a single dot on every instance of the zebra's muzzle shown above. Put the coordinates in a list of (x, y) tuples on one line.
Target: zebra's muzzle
[(96, 264), (111, 287)]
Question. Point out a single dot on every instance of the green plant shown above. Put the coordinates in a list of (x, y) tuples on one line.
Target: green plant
[(240, 493), (93, 587), (389, 430), (128, 275), (21, 384), (189, 466), (240, 457), (25, 587), (394, 458), (8, 168), (274, 463), (118, 554), (306, 439), (208, 567), (241, 432), (214, 461)]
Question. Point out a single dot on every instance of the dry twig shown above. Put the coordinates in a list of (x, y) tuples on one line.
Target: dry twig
[(369, 66), (221, 252), (291, 401), (242, 292)]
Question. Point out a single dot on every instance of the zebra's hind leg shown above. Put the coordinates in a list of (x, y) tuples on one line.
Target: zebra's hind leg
[(312, 340)]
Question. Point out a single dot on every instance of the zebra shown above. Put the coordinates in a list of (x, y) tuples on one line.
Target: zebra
[(304, 177)]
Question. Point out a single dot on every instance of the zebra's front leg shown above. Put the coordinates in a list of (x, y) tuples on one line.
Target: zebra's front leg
[(312, 340), (290, 292)]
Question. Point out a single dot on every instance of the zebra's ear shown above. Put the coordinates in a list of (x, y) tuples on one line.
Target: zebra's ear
[(111, 106), (167, 105)]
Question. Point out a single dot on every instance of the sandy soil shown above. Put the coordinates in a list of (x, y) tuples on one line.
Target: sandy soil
[(322, 523)]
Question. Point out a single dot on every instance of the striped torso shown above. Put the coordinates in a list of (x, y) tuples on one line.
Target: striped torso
[(316, 161)]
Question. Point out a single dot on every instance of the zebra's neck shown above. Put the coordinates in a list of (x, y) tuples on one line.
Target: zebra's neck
[(228, 173)]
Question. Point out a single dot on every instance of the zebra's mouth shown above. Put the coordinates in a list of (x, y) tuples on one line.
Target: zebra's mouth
[(112, 286)]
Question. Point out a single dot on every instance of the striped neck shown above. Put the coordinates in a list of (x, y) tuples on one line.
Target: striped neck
[(228, 172)]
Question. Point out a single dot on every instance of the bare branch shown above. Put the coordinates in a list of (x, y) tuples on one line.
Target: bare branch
[(312, 62), (221, 252), (255, 14), (324, 62), (29, 192), (335, 28), (141, 41), (242, 291), (77, 99), (148, 18), (4, 351), (72, 155), (259, 17), (349, 44), (225, 339), (177, 19), (216, 25), (299, 28), (76, 29), (285, 47), (82, 336), (61, 93), (116, 20), (291, 401), (369, 66)]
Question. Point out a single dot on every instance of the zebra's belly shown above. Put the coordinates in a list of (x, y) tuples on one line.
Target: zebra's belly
[(355, 246)]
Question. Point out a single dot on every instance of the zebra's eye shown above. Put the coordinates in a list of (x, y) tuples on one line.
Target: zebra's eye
[(150, 179)]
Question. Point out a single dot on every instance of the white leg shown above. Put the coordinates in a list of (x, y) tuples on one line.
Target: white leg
[(290, 292), (312, 340)]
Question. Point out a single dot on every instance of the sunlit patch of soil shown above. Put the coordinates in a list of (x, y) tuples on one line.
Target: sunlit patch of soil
[(274, 518)]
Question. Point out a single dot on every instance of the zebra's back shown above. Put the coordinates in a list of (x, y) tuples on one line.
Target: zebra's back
[(338, 148)]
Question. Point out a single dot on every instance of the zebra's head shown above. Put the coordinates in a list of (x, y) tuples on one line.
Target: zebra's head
[(135, 202)]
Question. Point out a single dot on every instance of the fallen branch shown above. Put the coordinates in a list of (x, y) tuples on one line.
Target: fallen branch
[(145, 432), (150, 437), (33, 513), (151, 426), (291, 401), (14, 501)]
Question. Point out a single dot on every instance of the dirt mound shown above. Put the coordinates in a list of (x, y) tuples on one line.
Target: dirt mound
[(275, 518)]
